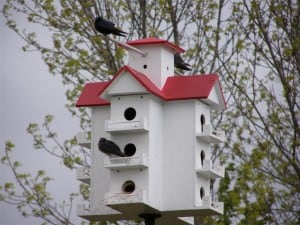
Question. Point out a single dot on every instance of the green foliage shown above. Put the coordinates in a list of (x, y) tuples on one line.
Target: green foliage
[(253, 45), (84, 191), (9, 145), (35, 199)]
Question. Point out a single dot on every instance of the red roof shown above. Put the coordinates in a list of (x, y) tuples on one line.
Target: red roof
[(154, 40), (90, 95), (189, 87), (175, 88)]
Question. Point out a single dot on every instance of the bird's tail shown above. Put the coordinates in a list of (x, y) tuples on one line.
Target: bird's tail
[(123, 33), (120, 154)]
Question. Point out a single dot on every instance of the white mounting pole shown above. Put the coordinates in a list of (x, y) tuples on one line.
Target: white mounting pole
[(126, 46)]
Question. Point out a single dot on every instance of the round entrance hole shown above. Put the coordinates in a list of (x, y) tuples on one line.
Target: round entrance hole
[(145, 66), (202, 192), (128, 187), (130, 113), (129, 149)]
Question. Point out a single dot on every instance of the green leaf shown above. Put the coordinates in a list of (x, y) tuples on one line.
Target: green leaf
[(41, 173), (16, 164), (3, 159), (9, 145), (32, 128), (39, 188), (69, 162), (8, 186)]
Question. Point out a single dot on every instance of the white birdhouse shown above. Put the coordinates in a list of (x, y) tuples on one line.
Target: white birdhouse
[(162, 123)]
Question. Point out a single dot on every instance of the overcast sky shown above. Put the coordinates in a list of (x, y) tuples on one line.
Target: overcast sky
[(28, 93)]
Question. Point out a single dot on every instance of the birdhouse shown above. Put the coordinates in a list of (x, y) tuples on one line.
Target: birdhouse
[(161, 122)]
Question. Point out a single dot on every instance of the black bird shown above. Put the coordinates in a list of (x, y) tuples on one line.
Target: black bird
[(107, 27), (180, 64), (109, 147)]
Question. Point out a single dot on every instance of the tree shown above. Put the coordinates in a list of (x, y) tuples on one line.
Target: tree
[(253, 45), (266, 183)]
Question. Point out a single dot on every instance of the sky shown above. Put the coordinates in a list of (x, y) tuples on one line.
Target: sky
[(28, 93)]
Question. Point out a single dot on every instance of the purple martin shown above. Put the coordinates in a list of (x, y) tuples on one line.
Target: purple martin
[(109, 147), (107, 27), (180, 64)]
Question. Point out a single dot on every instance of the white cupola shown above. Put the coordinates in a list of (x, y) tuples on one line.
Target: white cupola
[(158, 63)]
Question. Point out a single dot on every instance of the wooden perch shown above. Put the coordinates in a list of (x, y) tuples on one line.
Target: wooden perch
[(126, 46)]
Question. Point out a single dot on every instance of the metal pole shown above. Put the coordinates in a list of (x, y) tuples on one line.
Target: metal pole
[(126, 46), (149, 218)]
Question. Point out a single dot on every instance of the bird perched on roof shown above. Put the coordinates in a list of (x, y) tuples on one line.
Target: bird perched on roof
[(180, 64), (107, 27), (109, 147)]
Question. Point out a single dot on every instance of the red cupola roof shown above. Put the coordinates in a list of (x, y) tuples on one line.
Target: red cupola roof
[(154, 40)]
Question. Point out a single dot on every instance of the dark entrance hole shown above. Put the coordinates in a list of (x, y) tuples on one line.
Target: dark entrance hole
[(202, 121), (128, 187), (202, 157), (129, 149), (202, 192), (130, 113)]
